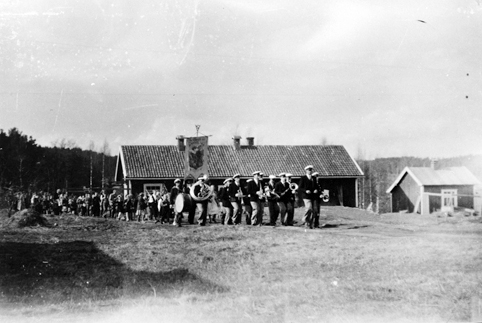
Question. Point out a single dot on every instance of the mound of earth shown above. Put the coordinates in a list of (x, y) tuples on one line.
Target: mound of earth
[(27, 218)]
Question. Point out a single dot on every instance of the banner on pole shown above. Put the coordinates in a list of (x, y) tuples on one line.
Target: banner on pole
[(196, 157)]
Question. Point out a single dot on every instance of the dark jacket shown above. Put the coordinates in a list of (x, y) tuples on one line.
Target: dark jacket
[(253, 188), (233, 190), (308, 185), (224, 196), (284, 191)]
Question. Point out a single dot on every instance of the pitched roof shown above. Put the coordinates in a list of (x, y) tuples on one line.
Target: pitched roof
[(168, 162), (427, 176)]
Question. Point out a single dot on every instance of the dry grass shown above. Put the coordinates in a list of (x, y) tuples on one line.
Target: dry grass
[(359, 267)]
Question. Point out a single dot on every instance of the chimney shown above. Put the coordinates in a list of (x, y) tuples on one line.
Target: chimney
[(250, 141), (237, 142), (180, 143), (434, 164)]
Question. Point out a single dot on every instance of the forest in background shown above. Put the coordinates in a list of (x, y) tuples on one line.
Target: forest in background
[(24, 165)]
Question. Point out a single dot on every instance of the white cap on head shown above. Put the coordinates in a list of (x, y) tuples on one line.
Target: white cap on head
[(236, 175), (282, 175), (309, 167), (315, 174), (289, 175), (257, 173), (272, 177), (227, 180), (177, 180)]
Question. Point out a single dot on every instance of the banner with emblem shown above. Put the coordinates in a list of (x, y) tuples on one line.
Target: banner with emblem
[(196, 157)]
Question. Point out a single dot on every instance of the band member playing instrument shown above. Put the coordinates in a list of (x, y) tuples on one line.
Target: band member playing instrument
[(316, 220), (292, 199), (202, 184), (175, 190), (283, 189), (247, 209), (272, 197), (224, 194), (235, 197), (256, 194), (186, 190), (309, 191)]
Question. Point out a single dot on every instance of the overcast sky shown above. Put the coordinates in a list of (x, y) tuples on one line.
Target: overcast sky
[(387, 78)]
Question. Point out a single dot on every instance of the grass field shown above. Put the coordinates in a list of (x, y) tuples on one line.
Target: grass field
[(358, 268)]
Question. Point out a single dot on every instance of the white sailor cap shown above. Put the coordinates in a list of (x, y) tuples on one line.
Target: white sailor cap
[(315, 174), (257, 173), (236, 175), (309, 167), (203, 177), (249, 180), (261, 174), (289, 175), (177, 180), (227, 180), (282, 175), (272, 177)]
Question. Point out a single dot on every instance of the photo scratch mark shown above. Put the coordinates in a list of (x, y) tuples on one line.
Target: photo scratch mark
[(58, 110)]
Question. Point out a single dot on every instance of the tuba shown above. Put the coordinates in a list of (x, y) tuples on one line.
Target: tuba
[(293, 187), (204, 194)]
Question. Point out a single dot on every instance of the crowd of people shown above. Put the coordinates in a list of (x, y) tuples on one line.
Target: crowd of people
[(234, 201)]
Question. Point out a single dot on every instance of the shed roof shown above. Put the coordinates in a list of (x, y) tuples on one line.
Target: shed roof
[(168, 162), (427, 176)]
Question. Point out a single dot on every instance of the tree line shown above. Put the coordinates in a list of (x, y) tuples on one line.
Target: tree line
[(27, 166)]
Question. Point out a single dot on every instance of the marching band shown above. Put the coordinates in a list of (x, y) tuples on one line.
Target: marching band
[(233, 201), (250, 198)]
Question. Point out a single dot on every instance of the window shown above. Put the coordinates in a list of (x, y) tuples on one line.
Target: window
[(449, 198)]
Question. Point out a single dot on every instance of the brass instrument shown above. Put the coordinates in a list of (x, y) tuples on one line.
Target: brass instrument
[(204, 194), (240, 194), (271, 193), (293, 187)]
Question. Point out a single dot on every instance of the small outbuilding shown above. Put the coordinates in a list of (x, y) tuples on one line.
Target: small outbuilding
[(425, 190)]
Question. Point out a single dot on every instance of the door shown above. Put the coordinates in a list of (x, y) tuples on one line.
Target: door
[(449, 198)]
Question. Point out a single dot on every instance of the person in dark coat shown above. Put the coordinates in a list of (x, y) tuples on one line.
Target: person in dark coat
[(272, 198), (236, 193), (224, 194), (202, 184), (309, 190), (255, 191), (283, 190)]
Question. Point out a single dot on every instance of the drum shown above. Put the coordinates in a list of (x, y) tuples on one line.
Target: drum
[(183, 203)]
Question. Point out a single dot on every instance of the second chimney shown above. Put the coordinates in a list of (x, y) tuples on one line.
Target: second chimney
[(237, 142), (180, 143), (250, 141)]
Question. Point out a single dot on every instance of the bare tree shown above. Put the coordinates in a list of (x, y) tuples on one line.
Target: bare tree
[(104, 150), (65, 143), (91, 150)]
